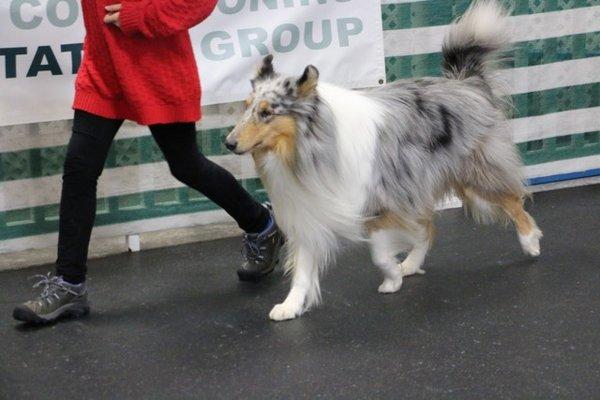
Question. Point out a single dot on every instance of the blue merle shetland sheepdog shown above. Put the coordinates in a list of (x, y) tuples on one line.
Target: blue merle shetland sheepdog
[(372, 164)]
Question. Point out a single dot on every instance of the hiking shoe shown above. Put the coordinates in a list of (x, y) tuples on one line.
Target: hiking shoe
[(58, 299), (261, 251)]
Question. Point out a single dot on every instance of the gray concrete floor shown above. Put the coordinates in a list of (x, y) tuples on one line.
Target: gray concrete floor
[(484, 322)]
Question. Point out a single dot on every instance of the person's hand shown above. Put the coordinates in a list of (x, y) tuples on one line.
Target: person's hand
[(112, 14)]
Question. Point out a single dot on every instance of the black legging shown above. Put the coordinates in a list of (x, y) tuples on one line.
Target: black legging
[(86, 154)]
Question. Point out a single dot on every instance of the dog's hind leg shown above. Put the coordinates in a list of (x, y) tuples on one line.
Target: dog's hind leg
[(491, 187), (487, 206), (305, 287), (527, 230)]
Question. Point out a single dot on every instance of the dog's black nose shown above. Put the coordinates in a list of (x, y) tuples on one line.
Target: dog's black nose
[(230, 146)]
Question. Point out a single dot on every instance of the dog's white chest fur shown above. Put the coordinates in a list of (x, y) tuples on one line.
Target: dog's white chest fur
[(318, 208), (303, 208)]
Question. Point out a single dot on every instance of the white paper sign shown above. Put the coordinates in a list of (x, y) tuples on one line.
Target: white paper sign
[(40, 49)]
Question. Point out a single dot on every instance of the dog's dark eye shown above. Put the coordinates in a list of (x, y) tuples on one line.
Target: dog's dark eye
[(265, 114)]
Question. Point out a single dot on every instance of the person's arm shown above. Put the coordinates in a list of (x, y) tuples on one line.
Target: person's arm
[(153, 18)]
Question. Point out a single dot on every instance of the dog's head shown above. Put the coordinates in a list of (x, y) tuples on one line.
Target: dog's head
[(269, 122)]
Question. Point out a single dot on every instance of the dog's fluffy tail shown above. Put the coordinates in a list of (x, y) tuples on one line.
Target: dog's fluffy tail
[(475, 42)]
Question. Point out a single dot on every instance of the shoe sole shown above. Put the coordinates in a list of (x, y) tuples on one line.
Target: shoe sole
[(247, 276), (71, 310)]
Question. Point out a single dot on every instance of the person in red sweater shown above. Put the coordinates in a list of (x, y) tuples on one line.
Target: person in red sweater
[(139, 65)]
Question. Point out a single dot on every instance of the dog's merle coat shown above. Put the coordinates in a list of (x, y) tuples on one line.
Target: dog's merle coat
[(365, 159)]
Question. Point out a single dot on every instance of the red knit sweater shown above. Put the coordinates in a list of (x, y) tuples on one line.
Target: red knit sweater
[(145, 71)]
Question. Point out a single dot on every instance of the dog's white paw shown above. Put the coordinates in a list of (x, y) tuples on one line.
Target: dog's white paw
[(390, 285), (282, 312), (531, 242), (408, 270)]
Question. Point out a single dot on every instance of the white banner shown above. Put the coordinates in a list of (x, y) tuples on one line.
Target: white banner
[(40, 49)]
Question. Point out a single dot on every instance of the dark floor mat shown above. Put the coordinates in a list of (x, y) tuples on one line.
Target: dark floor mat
[(484, 322)]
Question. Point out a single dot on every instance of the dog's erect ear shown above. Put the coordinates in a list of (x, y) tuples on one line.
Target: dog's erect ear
[(307, 83), (265, 70)]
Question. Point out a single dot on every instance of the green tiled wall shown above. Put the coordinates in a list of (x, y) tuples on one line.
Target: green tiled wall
[(441, 12), (117, 209), (35, 163), (560, 148), (523, 54)]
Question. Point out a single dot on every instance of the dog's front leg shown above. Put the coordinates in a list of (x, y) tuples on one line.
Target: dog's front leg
[(304, 283)]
